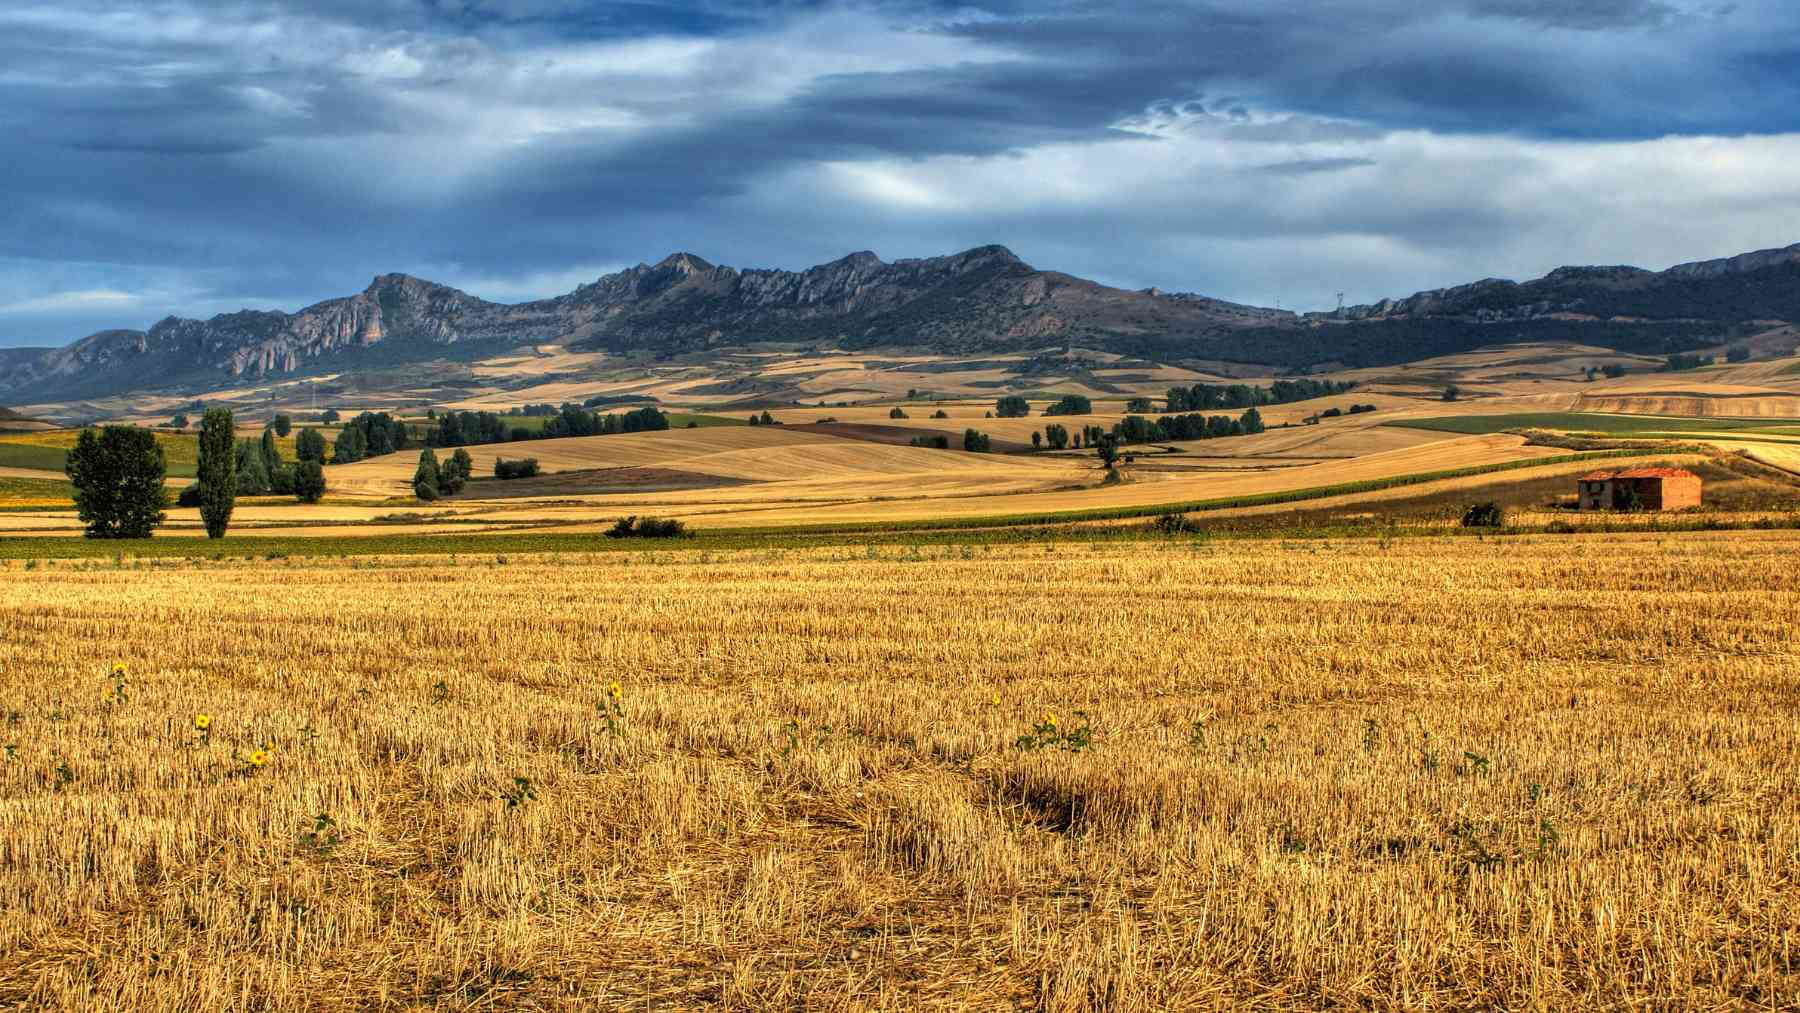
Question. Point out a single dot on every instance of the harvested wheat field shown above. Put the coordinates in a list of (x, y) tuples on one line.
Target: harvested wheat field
[(1540, 772)]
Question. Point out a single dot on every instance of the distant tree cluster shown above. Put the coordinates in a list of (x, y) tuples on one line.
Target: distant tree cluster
[(1138, 429), (1207, 397), (976, 442), (507, 470), (1737, 353), (648, 527), (1362, 409), (1681, 361), (897, 413), (1071, 404), (1140, 406), (433, 478), (1056, 436), (463, 429), (573, 420), (940, 414), (1012, 406), (371, 434), (258, 469), (936, 441), (765, 419)]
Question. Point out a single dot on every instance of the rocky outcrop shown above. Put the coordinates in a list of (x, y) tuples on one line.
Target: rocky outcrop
[(1705, 290)]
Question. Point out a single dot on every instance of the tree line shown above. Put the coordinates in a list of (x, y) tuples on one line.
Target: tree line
[(1208, 396), (119, 472)]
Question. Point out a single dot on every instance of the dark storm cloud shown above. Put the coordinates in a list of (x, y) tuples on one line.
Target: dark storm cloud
[(1308, 166), (193, 152), (1593, 15)]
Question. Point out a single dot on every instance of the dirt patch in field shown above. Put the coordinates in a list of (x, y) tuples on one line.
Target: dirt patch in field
[(596, 480)]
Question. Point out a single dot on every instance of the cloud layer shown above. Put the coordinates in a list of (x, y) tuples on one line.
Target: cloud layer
[(195, 156)]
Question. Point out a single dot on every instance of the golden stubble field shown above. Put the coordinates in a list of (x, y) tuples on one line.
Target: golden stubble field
[(1547, 773)]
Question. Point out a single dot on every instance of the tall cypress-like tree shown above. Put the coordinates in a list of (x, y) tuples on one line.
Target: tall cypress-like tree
[(217, 474), (271, 454), (118, 478), (425, 479)]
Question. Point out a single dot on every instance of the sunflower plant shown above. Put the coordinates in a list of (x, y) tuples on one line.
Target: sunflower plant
[(1049, 733), (612, 708)]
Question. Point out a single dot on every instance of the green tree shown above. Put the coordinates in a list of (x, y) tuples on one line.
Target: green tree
[(1253, 422), (282, 426), (1012, 406), (351, 446), (271, 454), (1056, 435), (118, 473), (1139, 406), (217, 473), (1071, 404), (767, 419), (976, 442), (427, 476), (456, 472), (330, 415), (252, 471), (309, 482), (179, 422), (897, 413), (310, 446), (1037, 440), (1452, 392), (1484, 515), (1108, 449)]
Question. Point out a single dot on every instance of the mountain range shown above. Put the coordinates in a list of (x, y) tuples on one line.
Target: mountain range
[(981, 300)]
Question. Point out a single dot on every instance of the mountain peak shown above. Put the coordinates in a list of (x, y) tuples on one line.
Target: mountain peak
[(686, 263), (992, 251)]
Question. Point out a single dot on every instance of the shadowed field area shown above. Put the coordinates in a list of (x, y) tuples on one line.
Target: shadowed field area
[(1431, 774)]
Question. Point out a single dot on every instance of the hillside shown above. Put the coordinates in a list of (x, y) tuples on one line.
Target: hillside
[(982, 298), (971, 303)]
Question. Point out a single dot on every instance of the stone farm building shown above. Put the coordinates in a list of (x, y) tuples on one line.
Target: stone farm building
[(1639, 489)]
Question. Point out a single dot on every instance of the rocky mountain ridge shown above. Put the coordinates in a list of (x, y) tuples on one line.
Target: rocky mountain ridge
[(980, 300)]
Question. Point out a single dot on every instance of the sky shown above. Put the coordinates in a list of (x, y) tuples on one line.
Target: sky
[(201, 156)]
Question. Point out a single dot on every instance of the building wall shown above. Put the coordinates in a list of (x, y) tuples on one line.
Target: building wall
[(1652, 493), (1680, 493)]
